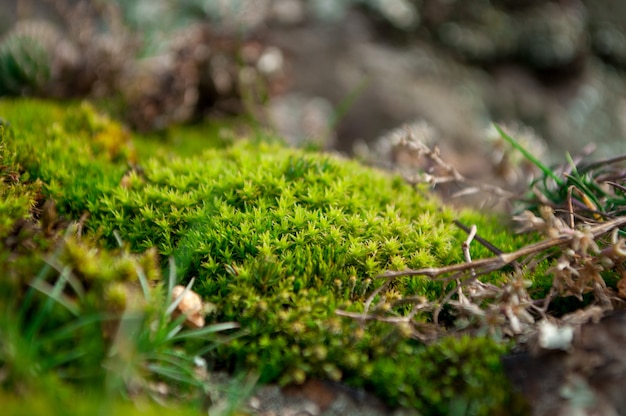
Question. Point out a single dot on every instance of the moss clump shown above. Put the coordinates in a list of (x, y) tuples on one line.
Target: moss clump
[(52, 398), (277, 238), (76, 153), (18, 195)]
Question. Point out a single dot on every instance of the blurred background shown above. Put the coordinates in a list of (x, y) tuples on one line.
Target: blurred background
[(340, 74)]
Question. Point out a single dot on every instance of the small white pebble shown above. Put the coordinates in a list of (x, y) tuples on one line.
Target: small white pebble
[(271, 61), (553, 337), (254, 403)]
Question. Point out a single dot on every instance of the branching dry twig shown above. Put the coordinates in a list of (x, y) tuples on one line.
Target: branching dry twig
[(451, 173), (484, 266), (512, 301), (577, 206)]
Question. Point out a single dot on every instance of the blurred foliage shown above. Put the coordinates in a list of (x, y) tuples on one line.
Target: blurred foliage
[(76, 316), (52, 398), (24, 65)]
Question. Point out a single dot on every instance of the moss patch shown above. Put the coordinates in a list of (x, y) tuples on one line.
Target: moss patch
[(53, 399), (279, 239), (18, 195)]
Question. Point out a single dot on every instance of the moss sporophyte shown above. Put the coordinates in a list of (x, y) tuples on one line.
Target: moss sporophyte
[(277, 238)]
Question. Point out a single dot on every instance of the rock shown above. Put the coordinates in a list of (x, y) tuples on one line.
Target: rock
[(587, 379)]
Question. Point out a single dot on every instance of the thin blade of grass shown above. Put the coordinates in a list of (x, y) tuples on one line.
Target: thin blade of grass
[(71, 279), (143, 281), (60, 359), (171, 278), (202, 332), (184, 362), (175, 374), (77, 286), (176, 329), (128, 329), (59, 298), (69, 330), (35, 324), (222, 339), (28, 298), (571, 163), (531, 158), (347, 102), (179, 299), (585, 191), (118, 239)]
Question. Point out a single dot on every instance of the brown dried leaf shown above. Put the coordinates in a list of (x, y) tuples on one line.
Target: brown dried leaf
[(191, 306)]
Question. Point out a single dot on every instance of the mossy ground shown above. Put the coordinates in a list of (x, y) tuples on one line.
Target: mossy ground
[(53, 399), (277, 238)]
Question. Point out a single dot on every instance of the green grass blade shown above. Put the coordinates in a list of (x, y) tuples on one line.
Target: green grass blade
[(176, 329), (28, 298), (179, 299), (70, 329), (584, 189), (223, 339), (203, 332), (118, 239), (346, 104), (35, 324), (175, 371), (143, 281), (61, 358), (545, 169), (53, 293), (171, 278)]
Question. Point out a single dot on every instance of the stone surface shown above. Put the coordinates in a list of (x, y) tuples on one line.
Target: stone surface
[(587, 379), (313, 398)]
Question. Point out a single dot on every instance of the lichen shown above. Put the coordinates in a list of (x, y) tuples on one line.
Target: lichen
[(278, 239)]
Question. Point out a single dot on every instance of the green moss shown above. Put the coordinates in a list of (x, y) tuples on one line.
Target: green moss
[(77, 153), (52, 398), (279, 239), (455, 376), (17, 198), (188, 140)]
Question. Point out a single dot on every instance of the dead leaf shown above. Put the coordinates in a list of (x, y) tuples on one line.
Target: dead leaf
[(191, 306)]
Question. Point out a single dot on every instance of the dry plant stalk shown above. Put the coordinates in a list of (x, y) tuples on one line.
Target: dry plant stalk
[(419, 150), (576, 271), (484, 266)]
